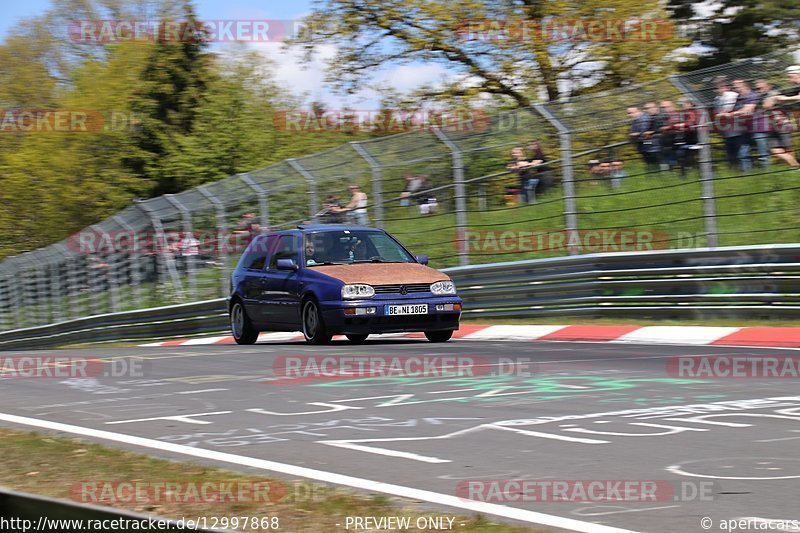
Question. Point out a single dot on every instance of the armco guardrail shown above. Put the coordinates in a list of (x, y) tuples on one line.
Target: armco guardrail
[(747, 282), (185, 319), (28, 512), (700, 283)]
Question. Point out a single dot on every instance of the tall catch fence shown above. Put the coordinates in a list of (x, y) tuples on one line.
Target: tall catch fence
[(447, 192)]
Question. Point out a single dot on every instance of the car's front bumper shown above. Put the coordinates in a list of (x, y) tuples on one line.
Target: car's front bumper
[(338, 321)]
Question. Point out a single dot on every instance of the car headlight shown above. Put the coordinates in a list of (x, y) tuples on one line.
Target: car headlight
[(443, 287), (357, 291)]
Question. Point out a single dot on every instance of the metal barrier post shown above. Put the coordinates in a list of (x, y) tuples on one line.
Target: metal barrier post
[(706, 166), (222, 241), (568, 178), (313, 200), (707, 180), (461, 196), (263, 200), (377, 189), (134, 261), (191, 267), (111, 272), (5, 303), (165, 266)]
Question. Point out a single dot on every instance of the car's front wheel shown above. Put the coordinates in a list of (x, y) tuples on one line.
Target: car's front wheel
[(356, 339), (439, 336), (313, 325), (241, 327)]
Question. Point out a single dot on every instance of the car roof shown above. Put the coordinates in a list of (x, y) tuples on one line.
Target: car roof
[(306, 228)]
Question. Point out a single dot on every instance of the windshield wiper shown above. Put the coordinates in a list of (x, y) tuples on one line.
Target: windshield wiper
[(377, 260), (323, 263)]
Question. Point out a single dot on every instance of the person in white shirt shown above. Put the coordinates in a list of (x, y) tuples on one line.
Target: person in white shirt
[(357, 208)]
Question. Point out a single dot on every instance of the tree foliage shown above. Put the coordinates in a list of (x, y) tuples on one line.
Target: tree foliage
[(373, 34), (737, 29)]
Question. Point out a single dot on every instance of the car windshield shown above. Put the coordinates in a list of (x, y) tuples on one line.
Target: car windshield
[(352, 246)]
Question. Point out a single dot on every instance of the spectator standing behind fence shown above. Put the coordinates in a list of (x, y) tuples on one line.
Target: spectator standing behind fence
[(761, 125), (640, 124), (357, 207), (248, 227), (742, 115), (670, 117), (522, 168), (617, 173), (652, 136), (413, 185), (542, 171), (791, 95), (778, 125), (685, 130), (723, 105)]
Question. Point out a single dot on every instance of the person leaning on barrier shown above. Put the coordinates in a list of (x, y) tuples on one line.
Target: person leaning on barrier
[(791, 95), (542, 172), (640, 123), (522, 168), (724, 103)]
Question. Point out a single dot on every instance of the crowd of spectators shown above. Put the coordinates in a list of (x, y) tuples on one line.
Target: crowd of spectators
[(749, 117)]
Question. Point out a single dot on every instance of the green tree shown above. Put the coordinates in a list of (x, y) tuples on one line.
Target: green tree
[(172, 87), (737, 29), (372, 34)]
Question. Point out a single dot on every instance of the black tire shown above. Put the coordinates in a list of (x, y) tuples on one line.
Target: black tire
[(357, 338), (313, 326), (439, 336), (241, 328)]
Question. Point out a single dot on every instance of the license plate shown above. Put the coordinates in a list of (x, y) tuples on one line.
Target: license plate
[(411, 309)]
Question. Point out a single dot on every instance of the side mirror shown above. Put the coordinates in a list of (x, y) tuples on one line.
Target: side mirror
[(287, 264), (422, 259)]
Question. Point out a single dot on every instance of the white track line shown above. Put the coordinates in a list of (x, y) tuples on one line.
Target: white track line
[(512, 513)]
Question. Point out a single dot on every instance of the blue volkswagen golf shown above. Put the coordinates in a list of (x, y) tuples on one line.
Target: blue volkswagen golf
[(327, 280)]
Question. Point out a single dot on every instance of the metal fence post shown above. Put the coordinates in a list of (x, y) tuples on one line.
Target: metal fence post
[(166, 265), (313, 200), (461, 196), (263, 200), (707, 180), (706, 166), (5, 303), (567, 179), (222, 243), (377, 189), (191, 267), (134, 261), (57, 289), (111, 273)]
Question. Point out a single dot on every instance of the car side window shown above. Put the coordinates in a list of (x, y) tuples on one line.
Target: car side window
[(286, 249), (257, 253)]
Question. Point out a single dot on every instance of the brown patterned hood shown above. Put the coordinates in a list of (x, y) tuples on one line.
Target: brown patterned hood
[(382, 273)]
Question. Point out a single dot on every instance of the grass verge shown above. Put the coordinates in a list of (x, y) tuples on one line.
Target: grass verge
[(55, 466)]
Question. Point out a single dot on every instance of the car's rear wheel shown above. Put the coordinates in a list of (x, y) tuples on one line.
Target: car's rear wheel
[(439, 336), (357, 339), (241, 327), (313, 325)]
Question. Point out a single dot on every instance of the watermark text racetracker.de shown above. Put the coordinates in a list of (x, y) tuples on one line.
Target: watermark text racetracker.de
[(557, 240), (302, 369), (151, 30), (115, 492), (584, 490), (55, 121), (71, 367), (734, 366)]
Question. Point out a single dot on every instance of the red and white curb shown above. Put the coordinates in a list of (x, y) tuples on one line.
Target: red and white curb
[(787, 337)]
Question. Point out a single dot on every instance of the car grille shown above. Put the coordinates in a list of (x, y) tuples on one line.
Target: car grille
[(398, 289)]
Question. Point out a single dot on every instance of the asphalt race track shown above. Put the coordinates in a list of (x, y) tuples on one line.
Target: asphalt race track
[(582, 412)]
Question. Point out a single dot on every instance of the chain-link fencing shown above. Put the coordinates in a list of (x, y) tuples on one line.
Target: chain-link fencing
[(458, 194)]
